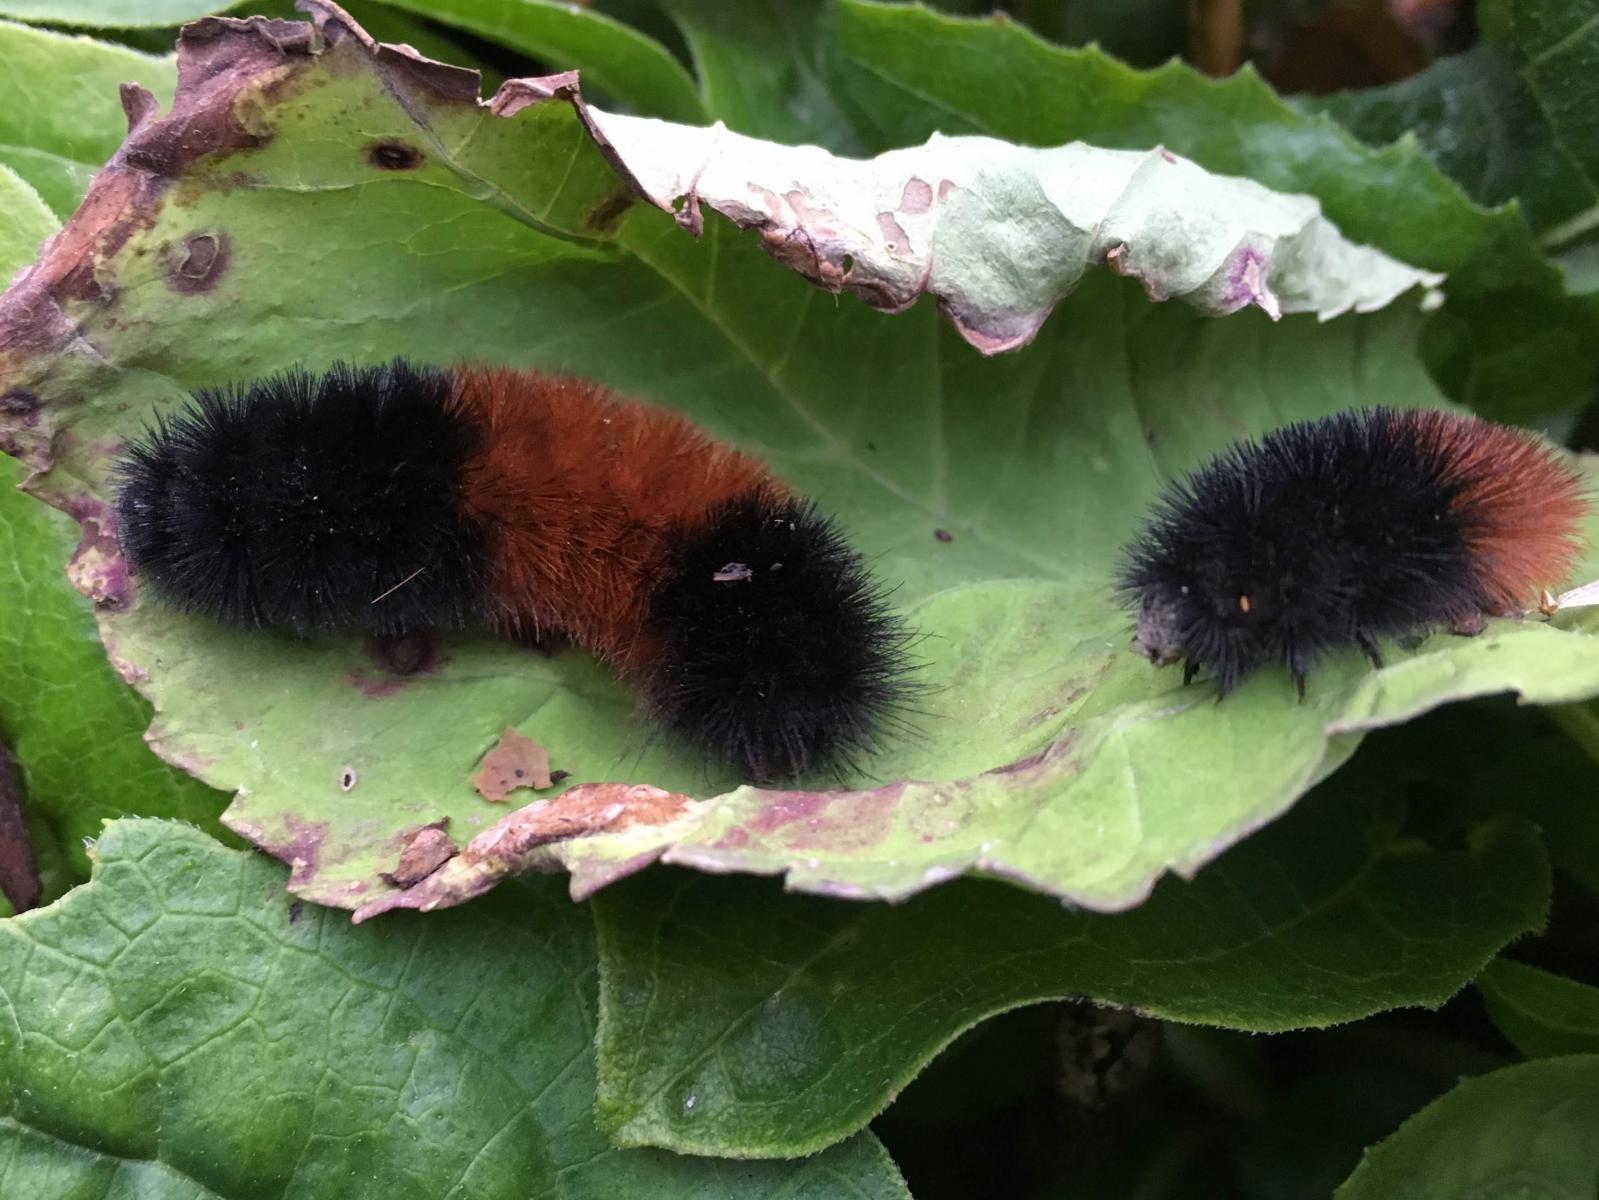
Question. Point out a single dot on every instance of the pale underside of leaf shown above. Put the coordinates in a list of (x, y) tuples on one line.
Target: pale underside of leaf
[(999, 234), (311, 197)]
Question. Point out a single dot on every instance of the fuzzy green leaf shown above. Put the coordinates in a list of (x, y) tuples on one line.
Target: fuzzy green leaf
[(1522, 1133), (56, 146), (1545, 1015), (994, 493), (738, 1021), (179, 1028), (112, 14), (25, 221)]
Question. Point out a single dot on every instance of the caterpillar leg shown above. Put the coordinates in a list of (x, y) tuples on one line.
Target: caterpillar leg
[(1190, 669), (1298, 669), (1369, 645), (1469, 626)]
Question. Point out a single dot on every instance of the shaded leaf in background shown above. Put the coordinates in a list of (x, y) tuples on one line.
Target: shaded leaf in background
[(112, 14), (1475, 117), (1523, 1131), (618, 60), (761, 71), (1508, 759), (931, 456), (20, 885), (789, 1023), (57, 145), (1545, 1015), (179, 1025), (1510, 342), (1557, 42)]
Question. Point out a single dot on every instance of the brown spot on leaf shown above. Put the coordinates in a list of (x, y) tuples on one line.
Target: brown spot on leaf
[(97, 568), (895, 240), (604, 216), (218, 57), (516, 761), (516, 94), (1037, 763), (19, 870), (917, 196), (587, 809), (733, 839), (80, 284), (138, 105), (198, 264), (448, 81), (424, 851), (393, 154), (943, 535), (829, 820), (21, 407), (303, 852)]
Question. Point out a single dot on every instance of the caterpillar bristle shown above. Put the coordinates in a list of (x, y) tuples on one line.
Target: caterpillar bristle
[(776, 644), (313, 503)]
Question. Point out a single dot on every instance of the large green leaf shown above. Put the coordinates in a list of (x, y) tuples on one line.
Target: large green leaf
[(178, 1028), (1543, 1014), (1522, 1132), (255, 228), (738, 1021), (60, 116)]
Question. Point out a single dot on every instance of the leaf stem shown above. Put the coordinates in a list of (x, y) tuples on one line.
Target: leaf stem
[(1569, 230)]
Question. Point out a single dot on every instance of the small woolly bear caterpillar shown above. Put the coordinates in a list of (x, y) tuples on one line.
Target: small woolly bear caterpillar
[(396, 498), (1338, 532)]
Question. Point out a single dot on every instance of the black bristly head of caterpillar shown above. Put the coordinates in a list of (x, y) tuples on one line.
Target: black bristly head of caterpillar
[(779, 649)]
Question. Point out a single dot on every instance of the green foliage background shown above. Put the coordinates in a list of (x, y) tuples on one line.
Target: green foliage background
[(180, 1027)]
